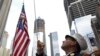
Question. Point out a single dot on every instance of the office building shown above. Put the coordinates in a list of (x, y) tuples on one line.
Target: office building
[(79, 15), (83, 8), (4, 10), (4, 39), (79, 8), (54, 44)]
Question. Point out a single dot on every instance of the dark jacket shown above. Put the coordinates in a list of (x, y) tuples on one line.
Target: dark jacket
[(42, 54), (75, 54)]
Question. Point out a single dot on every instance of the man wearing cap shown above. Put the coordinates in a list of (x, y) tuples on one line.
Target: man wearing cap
[(73, 45)]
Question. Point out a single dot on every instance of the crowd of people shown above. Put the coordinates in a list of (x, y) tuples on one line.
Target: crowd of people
[(72, 46)]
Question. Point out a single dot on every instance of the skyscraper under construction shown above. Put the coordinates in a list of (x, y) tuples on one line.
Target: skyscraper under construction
[(39, 30)]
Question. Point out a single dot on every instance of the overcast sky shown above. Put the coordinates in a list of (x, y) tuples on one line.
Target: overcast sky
[(52, 11)]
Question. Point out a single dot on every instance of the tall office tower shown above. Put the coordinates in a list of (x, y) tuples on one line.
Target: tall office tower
[(66, 5), (39, 30), (4, 10), (80, 8), (54, 44)]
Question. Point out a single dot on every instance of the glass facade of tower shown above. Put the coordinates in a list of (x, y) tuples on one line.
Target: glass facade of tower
[(54, 44), (83, 8), (67, 3)]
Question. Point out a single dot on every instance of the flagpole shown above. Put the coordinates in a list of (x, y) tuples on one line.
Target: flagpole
[(35, 19), (35, 28), (23, 2)]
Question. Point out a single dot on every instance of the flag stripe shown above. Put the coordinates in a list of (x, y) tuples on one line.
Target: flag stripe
[(22, 44), (18, 44), (18, 34), (23, 48), (25, 27)]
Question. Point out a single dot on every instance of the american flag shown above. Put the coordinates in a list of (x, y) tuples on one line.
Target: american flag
[(21, 39)]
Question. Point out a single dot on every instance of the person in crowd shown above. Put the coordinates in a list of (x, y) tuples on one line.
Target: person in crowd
[(72, 45), (40, 48)]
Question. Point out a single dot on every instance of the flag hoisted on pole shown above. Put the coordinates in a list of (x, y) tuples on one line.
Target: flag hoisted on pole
[(21, 39)]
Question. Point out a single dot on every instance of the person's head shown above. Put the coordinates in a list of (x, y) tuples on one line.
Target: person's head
[(70, 43), (40, 46), (77, 42)]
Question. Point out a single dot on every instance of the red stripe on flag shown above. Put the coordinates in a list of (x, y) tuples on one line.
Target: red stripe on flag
[(25, 46), (17, 34), (18, 37)]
